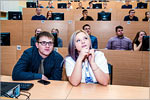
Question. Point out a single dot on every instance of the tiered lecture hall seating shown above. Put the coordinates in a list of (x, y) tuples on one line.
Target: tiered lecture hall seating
[(129, 67)]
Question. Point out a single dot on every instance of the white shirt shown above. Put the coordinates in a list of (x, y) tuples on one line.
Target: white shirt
[(70, 8), (100, 60)]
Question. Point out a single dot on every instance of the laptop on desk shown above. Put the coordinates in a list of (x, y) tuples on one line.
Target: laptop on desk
[(9, 90)]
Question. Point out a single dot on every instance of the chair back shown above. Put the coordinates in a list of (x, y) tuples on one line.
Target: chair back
[(110, 68)]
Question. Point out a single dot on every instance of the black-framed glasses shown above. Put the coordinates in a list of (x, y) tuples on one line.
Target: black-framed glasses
[(44, 43)]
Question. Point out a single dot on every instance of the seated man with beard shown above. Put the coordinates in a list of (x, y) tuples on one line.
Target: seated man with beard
[(119, 42)]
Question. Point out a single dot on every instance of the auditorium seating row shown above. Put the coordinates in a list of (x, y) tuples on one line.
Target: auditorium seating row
[(22, 31), (75, 15), (111, 4), (129, 67)]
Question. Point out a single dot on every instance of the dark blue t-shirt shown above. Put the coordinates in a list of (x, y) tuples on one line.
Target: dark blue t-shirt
[(127, 18), (126, 7), (41, 17)]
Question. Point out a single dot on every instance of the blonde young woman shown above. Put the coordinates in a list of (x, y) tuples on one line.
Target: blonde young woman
[(84, 64)]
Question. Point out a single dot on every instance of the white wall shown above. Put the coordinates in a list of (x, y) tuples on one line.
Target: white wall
[(9, 5), (13, 5)]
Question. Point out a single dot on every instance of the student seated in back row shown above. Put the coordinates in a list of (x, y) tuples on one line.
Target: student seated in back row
[(94, 40), (127, 5), (40, 61), (131, 16), (59, 40), (33, 39), (137, 42), (84, 64), (119, 42), (50, 5), (90, 5), (69, 6), (85, 16), (39, 5), (147, 16), (38, 15), (80, 6), (49, 15)]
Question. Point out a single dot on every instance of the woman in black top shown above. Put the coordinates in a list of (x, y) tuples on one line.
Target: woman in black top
[(137, 42), (49, 15), (147, 16)]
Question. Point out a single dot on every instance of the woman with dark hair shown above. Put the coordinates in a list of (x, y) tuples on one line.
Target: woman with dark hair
[(147, 16), (49, 15), (137, 42), (85, 64)]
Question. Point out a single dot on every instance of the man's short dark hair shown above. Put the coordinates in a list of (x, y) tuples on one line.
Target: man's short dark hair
[(84, 10), (118, 27), (131, 10), (46, 34), (85, 26)]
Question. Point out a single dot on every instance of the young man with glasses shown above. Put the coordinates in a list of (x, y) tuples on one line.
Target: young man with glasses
[(94, 40), (131, 16), (40, 61)]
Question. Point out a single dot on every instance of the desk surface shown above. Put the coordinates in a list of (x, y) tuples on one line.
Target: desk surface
[(55, 90), (90, 91), (63, 90)]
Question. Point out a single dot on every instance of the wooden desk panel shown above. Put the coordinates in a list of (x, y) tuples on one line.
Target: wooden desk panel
[(90, 91), (126, 66), (71, 30), (15, 29), (145, 69), (127, 58), (8, 59), (20, 52)]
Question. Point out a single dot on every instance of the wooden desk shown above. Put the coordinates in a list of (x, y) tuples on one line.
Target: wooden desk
[(96, 91), (55, 90), (63, 90)]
